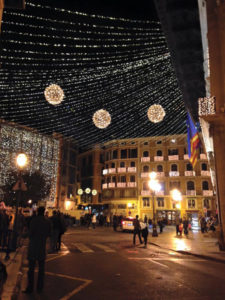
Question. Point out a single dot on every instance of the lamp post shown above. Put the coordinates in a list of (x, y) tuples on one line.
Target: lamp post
[(86, 193), (154, 187), (21, 161)]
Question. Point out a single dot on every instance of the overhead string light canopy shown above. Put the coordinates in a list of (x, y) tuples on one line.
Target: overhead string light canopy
[(93, 59)]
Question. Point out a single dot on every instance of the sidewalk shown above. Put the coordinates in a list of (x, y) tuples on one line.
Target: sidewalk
[(13, 267), (197, 244)]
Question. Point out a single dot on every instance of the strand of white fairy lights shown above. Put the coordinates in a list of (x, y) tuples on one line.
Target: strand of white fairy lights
[(128, 82)]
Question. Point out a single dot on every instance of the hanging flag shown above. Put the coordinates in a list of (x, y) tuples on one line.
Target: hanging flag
[(193, 140)]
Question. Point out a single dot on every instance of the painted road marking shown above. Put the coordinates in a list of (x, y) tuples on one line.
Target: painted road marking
[(104, 247), (82, 248)]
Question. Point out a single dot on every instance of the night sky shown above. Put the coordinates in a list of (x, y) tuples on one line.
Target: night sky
[(103, 54)]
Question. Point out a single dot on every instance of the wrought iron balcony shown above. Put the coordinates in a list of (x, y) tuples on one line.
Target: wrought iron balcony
[(145, 159), (121, 184), (174, 173), (158, 158), (112, 170), (191, 192), (207, 193), (132, 184), (112, 184), (105, 185), (205, 173), (144, 174), (189, 173), (132, 169), (173, 157), (121, 170)]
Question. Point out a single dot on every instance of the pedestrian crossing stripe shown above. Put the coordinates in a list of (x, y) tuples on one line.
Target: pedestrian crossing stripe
[(103, 247), (82, 248)]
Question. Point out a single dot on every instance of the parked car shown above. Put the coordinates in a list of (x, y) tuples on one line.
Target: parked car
[(127, 224)]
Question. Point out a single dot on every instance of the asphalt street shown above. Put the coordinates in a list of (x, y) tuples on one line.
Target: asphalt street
[(100, 264)]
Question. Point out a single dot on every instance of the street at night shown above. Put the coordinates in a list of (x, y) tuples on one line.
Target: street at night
[(103, 264)]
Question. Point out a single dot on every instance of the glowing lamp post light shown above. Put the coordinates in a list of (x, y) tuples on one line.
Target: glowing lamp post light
[(177, 197), (154, 187)]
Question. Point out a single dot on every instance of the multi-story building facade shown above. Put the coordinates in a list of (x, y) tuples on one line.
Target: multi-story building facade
[(125, 177)]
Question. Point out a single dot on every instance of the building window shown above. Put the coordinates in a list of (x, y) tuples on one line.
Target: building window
[(114, 179), (159, 142), (146, 202), (173, 152), (145, 186), (122, 164), (159, 168), (146, 169), (113, 165), (191, 203), (158, 153), (101, 158), (174, 184), (204, 167), (206, 203), (115, 154), (145, 154), (132, 178), (123, 153), (145, 143), (190, 185), (123, 179), (108, 180), (132, 164), (133, 153), (160, 202), (205, 185), (189, 167), (174, 168)]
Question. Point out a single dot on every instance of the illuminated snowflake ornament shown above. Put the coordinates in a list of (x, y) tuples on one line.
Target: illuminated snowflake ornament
[(101, 118), (54, 94), (156, 113)]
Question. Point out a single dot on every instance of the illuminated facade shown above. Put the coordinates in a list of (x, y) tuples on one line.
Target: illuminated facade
[(42, 152), (125, 176)]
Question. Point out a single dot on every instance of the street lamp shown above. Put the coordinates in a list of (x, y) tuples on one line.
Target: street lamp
[(21, 161), (154, 187)]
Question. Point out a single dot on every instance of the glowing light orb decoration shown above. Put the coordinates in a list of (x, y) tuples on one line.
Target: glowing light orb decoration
[(80, 192), (156, 113), (87, 190), (54, 94), (101, 118), (94, 192)]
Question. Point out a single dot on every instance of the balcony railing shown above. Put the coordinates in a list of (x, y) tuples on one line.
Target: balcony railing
[(112, 184), (145, 159), (105, 185), (205, 173), (145, 193), (191, 192), (144, 174), (174, 173), (173, 157), (189, 173), (112, 170), (121, 170), (158, 158), (160, 174), (186, 156), (207, 193), (105, 171), (159, 193), (203, 156), (132, 184), (132, 169), (121, 184)]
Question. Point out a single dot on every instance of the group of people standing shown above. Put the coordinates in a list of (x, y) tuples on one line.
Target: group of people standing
[(182, 225)]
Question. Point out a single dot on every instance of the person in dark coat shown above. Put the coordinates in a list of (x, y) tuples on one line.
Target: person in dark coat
[(144, 233), (137, 230), (40, 229)]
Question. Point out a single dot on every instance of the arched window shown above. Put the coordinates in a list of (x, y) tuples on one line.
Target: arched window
[(204, 167), (122, 164), (159, 168), (113, 165), (190, 185), (159, 153), (172, 151), (132, 164), (145, 186), (132, 178), (189, 167), (205, 185), (174, 168), (146, 169), (145, 154)]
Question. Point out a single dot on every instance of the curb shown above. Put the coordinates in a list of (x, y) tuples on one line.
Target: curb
[(206, 257), (17, 287)]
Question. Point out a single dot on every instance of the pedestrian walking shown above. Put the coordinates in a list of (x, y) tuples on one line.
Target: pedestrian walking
[(62, 230), (55, 223), (144, 233), (203, 224), (93, 221), (115, 222), (39, 230), (185, 225), (137, 230), (181, 226), (177, 223), (160, 223)]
